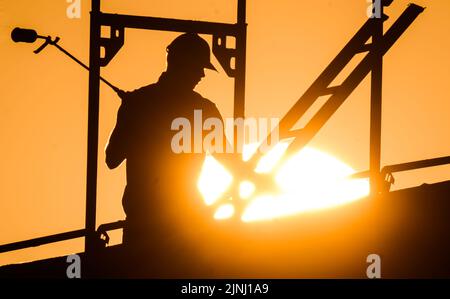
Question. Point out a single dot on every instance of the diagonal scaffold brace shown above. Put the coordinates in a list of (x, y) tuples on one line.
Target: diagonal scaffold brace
[(372, 63)]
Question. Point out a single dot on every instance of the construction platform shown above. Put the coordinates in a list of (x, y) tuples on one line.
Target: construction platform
[(408, 229)]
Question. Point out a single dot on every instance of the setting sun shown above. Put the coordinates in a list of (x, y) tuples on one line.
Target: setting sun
[(309, 180)]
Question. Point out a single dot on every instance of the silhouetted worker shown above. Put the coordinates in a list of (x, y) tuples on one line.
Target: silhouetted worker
[(162, 204)]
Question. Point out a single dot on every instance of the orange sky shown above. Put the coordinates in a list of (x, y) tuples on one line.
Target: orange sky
[(43, 107)]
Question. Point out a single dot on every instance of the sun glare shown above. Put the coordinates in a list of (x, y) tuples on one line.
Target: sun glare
[(224, 211), (214, 180), (246, 189), (310, 180)]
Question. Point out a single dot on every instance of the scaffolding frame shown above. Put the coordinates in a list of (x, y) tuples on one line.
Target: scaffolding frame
[(112, 44), (373, 64)]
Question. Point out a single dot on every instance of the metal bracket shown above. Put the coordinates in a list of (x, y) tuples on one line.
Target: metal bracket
[(102, 237), (112, 44), (223, 54), (388, 181), (48, 41)]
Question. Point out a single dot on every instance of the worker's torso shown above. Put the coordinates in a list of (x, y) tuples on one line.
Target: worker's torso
[(161, 182)]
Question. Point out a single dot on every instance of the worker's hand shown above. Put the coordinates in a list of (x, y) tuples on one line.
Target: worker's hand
[(127, 111), (122, 94)]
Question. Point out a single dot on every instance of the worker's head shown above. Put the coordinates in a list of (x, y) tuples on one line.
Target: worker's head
[(187, 56)]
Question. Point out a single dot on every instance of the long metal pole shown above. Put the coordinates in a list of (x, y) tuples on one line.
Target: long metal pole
[(376, 102), (240, 63), (85, 66), (166, 24), (93, 116)]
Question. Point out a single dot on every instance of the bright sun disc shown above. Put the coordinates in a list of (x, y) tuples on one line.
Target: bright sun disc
[(309, 180)]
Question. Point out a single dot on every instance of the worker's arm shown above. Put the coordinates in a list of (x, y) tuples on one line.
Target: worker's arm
[(116, 150)]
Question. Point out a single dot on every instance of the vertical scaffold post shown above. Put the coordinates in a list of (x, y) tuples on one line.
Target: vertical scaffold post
[(240, 63), (93, 125), (376, 97)]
